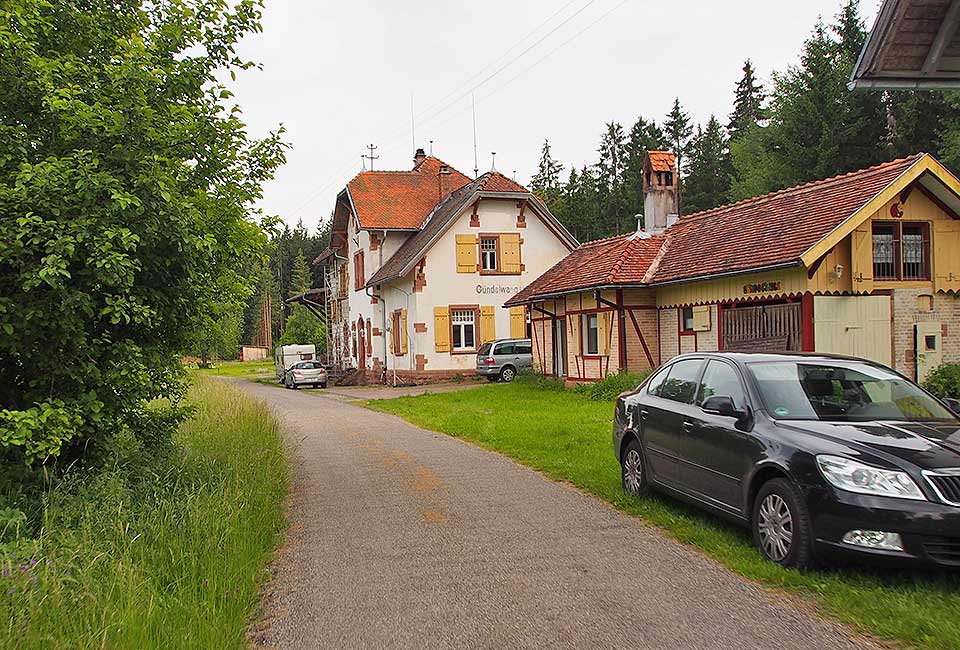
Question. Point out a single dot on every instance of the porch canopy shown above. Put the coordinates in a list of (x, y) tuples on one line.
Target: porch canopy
[(913, 44)]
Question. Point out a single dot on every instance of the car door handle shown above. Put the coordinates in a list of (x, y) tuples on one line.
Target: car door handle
[(688, 426), (644, 413)]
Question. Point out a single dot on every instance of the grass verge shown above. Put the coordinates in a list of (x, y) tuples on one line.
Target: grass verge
[(246, 369), (567, 436), (163, 549)]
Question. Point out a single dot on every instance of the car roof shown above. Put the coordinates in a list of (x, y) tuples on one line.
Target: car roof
[(751, 357), (508, 340)]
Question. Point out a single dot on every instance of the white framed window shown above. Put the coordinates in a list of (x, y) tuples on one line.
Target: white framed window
[(463, 322), (488, 253), (590, 331)]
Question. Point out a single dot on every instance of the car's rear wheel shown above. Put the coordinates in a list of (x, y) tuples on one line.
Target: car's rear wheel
[(781, 525), (508, 374), (632, 471), (492, 378)]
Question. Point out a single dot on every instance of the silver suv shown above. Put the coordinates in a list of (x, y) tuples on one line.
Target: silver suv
[(503, 359)]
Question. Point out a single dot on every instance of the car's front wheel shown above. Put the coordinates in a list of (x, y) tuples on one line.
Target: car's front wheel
[(781, 525), (632, 471)]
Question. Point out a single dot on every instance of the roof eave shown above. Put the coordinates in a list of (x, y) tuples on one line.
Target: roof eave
[(727, 274)]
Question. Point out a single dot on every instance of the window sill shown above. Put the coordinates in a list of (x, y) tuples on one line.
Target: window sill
[(464, 351), (499, 273), (902, 284)]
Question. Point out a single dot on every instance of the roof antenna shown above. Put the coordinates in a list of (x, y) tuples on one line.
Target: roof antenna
[(371, 157), (473, 106), (493, 161), (641, 233), (413, 130)]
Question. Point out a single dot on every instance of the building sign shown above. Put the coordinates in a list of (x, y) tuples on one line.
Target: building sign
[(492, 290), (770, 286)]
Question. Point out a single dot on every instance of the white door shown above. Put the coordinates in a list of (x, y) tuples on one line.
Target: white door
[(857, 326)]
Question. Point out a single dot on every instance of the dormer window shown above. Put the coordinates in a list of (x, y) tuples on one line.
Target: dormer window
[(901, 251)]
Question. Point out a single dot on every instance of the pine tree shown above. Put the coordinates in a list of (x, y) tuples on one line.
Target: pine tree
[(708, 176), (678, 129), (546, 182), (301, 278), (610, 170), (747, 103)]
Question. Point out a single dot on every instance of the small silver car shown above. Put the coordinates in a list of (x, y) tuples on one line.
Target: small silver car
[(310, 373), (503, 359)]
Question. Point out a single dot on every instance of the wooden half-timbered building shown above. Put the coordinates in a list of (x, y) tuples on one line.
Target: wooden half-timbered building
[(864, 264)]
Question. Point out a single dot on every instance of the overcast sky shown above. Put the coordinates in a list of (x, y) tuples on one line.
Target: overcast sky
[(340, 74)]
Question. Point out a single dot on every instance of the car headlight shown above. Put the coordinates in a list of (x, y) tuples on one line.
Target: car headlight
[(852, 476)]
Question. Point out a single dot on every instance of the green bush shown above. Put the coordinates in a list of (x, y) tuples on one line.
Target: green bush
[(534, 379), (607, 389), (944, 381)]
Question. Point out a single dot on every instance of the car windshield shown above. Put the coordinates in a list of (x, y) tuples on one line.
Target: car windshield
[(852, 392)]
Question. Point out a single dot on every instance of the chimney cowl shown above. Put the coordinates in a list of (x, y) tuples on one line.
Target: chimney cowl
[(419, 157)]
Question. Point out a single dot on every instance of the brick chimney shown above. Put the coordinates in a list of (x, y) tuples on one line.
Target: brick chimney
[(660, 190), (418, 158)]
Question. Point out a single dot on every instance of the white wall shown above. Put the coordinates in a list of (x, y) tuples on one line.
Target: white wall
[(540, 250)]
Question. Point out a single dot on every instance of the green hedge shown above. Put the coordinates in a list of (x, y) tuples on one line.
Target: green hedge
[(944, 381)]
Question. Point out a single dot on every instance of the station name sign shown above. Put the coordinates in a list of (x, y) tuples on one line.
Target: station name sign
[(770, 286), (488, 289)]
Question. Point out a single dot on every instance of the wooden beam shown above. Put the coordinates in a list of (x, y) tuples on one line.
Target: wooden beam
[(944, 35)]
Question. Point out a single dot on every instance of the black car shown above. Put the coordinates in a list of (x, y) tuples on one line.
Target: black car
[(816, 454)]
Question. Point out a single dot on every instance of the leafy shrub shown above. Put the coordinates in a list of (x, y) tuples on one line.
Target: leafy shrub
[(534, 379), (609, 387), (944, 381)]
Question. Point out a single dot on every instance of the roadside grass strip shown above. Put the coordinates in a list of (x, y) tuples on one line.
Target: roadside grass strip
[(567, 436), (246, 369), (161, 549)]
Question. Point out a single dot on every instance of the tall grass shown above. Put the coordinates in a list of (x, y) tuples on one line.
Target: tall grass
[(164, 548)]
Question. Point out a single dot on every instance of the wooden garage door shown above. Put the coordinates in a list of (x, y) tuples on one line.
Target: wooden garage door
[(854, 325), (765, 328)]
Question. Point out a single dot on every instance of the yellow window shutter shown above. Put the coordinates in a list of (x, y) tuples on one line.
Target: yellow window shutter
[(701, 318), (603, 326), (467, 254), (518, 322), (403, 331), (946, 262), (488, 324), (441, 329), (862, 257), (510, 253)]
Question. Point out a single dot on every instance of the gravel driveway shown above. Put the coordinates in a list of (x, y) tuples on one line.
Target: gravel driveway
[(404, 538)]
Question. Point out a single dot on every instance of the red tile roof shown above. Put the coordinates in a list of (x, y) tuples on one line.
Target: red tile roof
[(756, 233), (402, 199), (773, 229), (662, 161), (497, 182), (619, 260)]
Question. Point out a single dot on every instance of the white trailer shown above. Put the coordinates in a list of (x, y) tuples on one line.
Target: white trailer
[(287, 355)]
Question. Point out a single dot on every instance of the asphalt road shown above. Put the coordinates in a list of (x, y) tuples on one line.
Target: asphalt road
[(404, 538)]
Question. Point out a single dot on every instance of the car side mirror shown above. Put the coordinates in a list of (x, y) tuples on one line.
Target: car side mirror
[(721, 405), (952, 404)]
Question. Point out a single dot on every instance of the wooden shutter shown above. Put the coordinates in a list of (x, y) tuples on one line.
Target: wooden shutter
[(510, 253), (488, 324), (946, 261), (441, 329), (701, 318), (518, 322), (467, 259), (603, 326), (369, 339), (403, 331), (862, 257)]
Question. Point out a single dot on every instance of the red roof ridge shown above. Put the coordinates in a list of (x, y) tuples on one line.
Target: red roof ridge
[(655, 264), (805, 186)]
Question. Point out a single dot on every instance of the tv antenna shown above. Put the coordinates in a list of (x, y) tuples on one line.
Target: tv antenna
[(370, 156), (473, 106)]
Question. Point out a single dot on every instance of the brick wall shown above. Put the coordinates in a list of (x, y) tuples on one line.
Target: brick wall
[(946, 310), (669, 334)]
